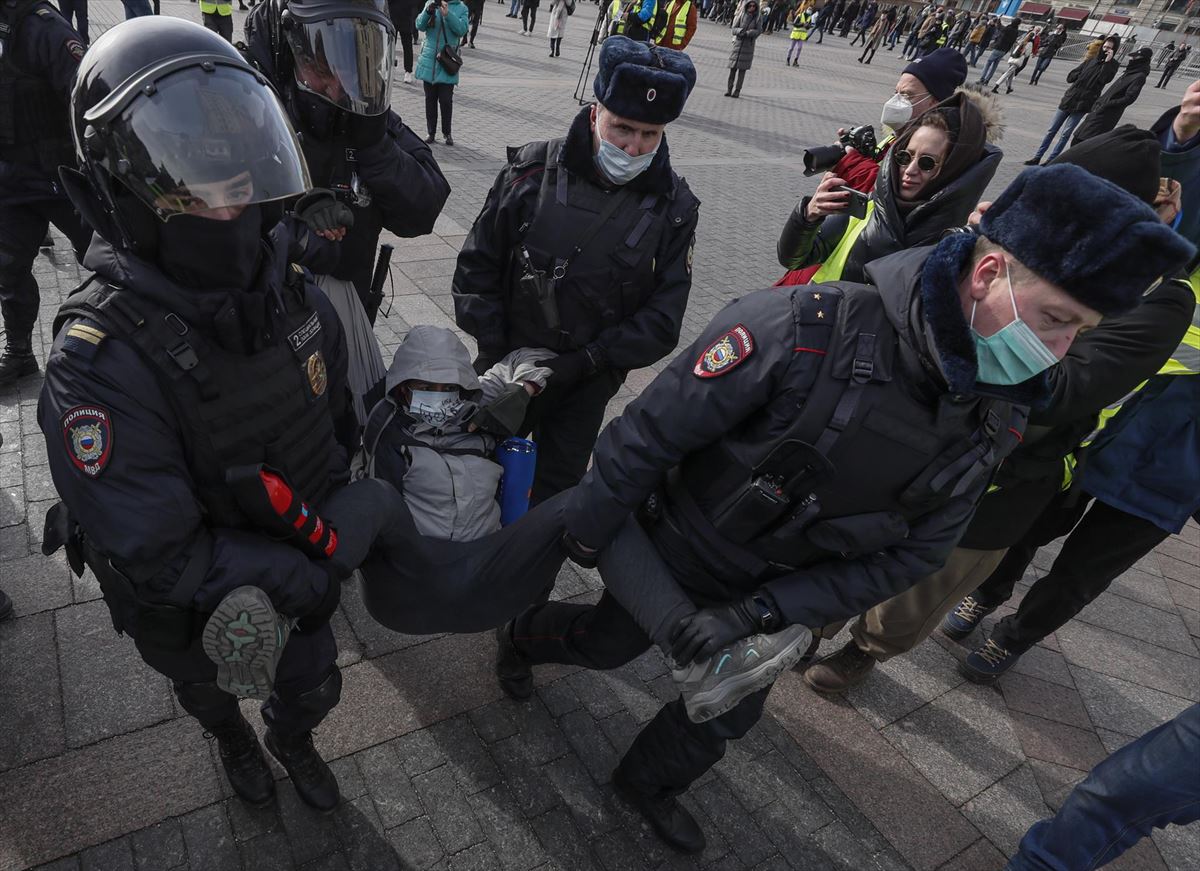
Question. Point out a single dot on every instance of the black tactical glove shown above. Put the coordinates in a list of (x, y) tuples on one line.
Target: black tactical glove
[(502, 417), (579, 553), (702, 634), (363, 131), (568, 368), (321, 210)]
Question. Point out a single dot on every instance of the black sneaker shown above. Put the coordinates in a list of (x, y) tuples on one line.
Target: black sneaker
[(669, 819), (961, 622), (1033, 161), (314, 782), (714, 686), (513, 672), (243, 761), (840, 671)]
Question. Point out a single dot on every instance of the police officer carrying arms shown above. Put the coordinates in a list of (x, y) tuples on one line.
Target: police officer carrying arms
[(332, 61), (39, 53), (584, 247), (821, 448), (173, 371)]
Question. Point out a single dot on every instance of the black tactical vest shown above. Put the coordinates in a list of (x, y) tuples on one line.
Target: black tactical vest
[(871, 449), (234, 409), (33, 120), (597, 287)]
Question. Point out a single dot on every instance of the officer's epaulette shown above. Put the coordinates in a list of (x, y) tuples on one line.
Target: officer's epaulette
[(45, 13), (83, 339), (816, 305)]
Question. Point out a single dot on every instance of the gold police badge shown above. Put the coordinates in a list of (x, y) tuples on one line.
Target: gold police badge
[(318, 377)]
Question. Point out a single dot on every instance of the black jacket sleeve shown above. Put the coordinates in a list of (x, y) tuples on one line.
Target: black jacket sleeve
[(53, 49), (1108, 362), (408, 184), (142, 510), (803, 243)]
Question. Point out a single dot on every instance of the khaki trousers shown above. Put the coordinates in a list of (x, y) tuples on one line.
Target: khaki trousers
[(904, 621)]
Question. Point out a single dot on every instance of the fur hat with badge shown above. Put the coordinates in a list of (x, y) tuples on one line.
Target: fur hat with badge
[(643, 82)]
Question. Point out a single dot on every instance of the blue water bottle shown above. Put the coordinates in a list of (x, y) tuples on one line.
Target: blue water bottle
[(518, 459)]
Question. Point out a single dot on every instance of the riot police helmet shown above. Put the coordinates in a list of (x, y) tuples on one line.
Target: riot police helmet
[(169, 112), (340, 51)]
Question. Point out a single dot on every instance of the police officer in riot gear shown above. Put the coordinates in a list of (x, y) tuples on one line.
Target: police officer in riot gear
[(172, 370), (39, 53), (332, 61), (823, 447), (584, 247)]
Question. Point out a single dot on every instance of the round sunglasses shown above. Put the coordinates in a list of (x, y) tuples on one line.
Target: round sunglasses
[(925, 162)]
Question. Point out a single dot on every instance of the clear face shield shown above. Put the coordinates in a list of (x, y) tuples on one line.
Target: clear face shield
[(197, 135), (344, 60)]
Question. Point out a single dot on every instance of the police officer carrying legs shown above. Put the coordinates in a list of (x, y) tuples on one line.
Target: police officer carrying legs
[(39, 53), (173, 369), (820, 448), (584, 246), (332, 61)]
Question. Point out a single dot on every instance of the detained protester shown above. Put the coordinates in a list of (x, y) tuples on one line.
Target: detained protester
[(932, 177), (1085, 83), (1101, 367), (748, 516), (331, 62), (584, 247), (1121, 94), (173, 372)]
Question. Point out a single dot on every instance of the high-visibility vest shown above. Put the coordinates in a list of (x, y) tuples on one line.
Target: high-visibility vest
[(623, 19), (674, 31), (800, 25), (208, 7), (831, 269)]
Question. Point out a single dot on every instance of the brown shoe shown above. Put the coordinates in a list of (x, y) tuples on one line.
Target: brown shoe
[(838, 672)]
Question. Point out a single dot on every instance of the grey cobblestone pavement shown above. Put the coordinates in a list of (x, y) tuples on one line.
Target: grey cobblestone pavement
[(916, 769)]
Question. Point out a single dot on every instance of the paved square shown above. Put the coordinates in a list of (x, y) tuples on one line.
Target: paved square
[(916, 769)]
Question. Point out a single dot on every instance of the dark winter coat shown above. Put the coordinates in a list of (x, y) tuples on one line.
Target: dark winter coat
[(1051, 45), (1106, 114), (1008, 37), (1087, 81)]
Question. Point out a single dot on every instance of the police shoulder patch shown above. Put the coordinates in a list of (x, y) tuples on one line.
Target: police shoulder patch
[(74, 48), (88, 434), (727, 352)]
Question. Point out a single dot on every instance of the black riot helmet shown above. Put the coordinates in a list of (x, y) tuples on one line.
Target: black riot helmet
[(341, 51), (168, 119)]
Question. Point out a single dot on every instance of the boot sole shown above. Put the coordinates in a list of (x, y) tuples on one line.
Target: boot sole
[(704, 706), (979, 677), (243, 637), (956, 634)]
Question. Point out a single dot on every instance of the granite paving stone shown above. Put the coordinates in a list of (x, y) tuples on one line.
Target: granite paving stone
[(37, 584), (506, 829), (114, 856), (479, 857), (159, 846), (563, 840), (310, 833), (904, 683), (1130, 659), (738, 827), (466, 754), (1057, 742), (416, 844), (1121, 706), (395, 798), (448, 809), (269, 852), (1055, 781), (588, 804), (209, 839), (31, 717), (1006, 809), (1154, 625), (1143, 586), (524, 776), (1044, 699), (980, 856)]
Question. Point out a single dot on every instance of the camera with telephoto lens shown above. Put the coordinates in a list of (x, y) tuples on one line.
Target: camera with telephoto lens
[(825, 157)]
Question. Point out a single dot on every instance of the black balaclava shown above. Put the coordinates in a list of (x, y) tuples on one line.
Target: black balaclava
[(204, 254)]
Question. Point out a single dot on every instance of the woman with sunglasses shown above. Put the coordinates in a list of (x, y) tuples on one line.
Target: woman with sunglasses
[(934, 175)]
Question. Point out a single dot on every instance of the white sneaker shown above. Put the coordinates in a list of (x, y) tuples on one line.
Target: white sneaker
[(408, 78)]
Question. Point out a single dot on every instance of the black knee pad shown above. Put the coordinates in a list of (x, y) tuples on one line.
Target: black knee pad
[(207, 702)]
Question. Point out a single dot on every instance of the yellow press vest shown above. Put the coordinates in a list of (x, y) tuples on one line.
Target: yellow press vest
[(620, 28), (831, 269), (678, 23), (800, 26), (208, 7)]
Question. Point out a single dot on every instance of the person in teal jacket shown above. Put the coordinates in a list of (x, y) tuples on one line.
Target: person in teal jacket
[(444, 22)]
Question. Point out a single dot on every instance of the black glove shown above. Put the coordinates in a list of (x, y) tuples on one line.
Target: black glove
[(579, 553), (363, 131), (321, 210), (568, 368), (485, 361), (319, 616), (702, 634)]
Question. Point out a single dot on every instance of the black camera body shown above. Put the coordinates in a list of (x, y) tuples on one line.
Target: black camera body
[(824, 157)]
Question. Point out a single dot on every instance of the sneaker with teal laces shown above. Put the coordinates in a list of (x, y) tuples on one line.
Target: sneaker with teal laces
[(713, 686)]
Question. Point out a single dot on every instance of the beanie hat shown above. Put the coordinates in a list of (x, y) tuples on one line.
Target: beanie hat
[(642, 81), (1086, 235), (1126, 156), (941, 71)]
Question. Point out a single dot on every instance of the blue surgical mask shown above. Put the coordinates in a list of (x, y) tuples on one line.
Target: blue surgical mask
[(435, 407), (617, 166), (1014, 353)]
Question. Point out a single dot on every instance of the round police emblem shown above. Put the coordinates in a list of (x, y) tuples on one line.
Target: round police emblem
[(318, 378), (88, 434)]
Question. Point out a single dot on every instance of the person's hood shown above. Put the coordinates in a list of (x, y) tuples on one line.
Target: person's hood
[(432, 354), (1139, 63), (578, 157)]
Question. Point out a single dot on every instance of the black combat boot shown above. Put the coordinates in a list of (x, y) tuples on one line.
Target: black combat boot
[(314, 782), (512, 670), (17, 360), (245, 765), (670, 820)]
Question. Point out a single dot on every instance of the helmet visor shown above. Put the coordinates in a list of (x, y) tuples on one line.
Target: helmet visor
[(346, 61), (205, 139)]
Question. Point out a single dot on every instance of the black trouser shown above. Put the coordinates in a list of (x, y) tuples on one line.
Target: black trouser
[(1166, 76), (307, 683), (441, 94), (564, 423), (1103, 546), (740, 75), (671, 751), (528, 16), (78, 9), (861, 34), (406, 44), (476, 16), (217, 23), (23, 226)]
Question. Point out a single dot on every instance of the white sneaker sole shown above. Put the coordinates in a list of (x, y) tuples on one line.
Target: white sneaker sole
[(704, 706), (243, 637)]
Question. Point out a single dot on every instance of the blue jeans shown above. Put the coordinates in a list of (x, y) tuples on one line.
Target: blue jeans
[(893, 38), (993, 61), (513, 7), (136, 8), (973, 52), (1143, 786), (1039, 68), (1068, 121)]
